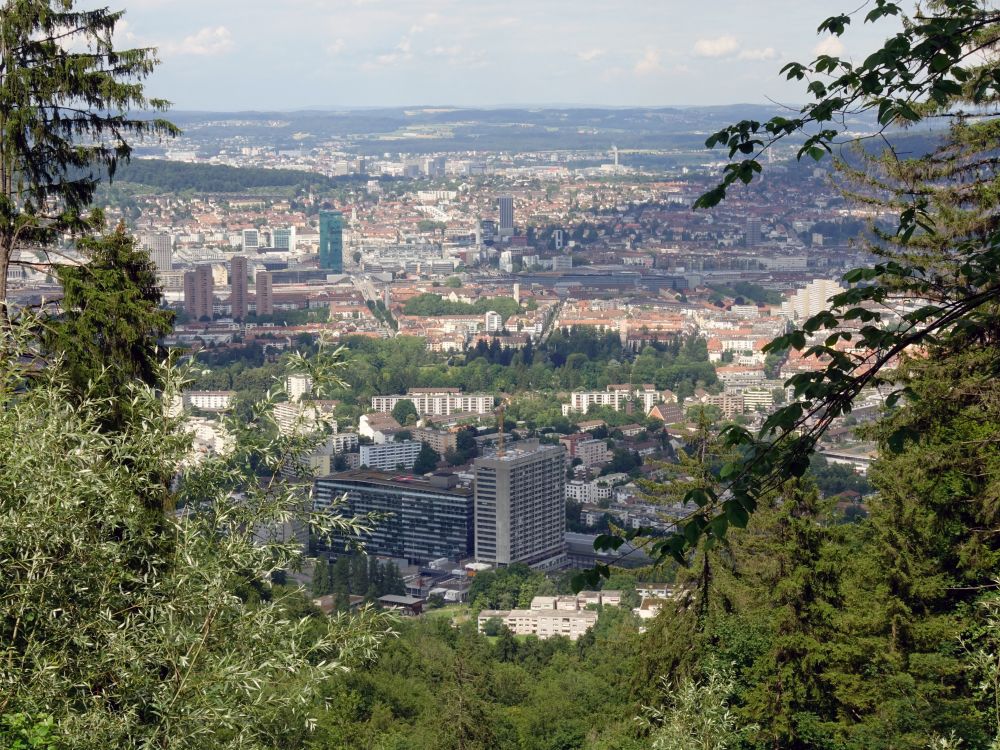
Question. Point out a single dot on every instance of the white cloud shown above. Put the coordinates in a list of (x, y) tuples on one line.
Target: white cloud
[(830, 46), (209, 41), (720, 46), (590, 55), (767, 53), (649, 64), (402, 53), (335, 47)]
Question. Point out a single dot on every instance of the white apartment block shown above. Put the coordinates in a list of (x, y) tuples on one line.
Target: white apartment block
[(494, 322), (304, 417), (644, 397), (209, 400), (589, 493), (390, 456), (297, 386), (810, 300), (550, 616), (754, 397), (437, 402)]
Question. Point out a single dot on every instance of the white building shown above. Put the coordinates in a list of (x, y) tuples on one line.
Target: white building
[(494, 322), (390, 456), (549, 616), (644, 397), (297, 386), (209, 400), (812, 299), (437, 402)]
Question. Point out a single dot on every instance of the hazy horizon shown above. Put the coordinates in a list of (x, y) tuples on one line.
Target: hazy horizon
[(307, 54)]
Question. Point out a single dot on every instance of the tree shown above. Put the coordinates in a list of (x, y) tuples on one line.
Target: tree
[(111, 321), (405, 412), (697, 715), (66, 98), (427, 459), (133, 606)]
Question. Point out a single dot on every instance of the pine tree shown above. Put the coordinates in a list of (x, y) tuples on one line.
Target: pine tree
[(111, 321), (321, 577), (66, 98)]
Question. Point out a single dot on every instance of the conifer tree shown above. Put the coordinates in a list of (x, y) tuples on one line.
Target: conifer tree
[(66, 103)]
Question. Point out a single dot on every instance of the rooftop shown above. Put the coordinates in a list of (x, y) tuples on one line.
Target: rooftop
[(398, 480)]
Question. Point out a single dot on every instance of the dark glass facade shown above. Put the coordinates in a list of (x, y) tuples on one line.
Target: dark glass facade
[(427, 519)]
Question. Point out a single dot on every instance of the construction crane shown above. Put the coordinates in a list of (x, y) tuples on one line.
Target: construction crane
[(501, 411)]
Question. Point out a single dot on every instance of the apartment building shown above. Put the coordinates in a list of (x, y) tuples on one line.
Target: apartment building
[(437, 401), (520, 506)]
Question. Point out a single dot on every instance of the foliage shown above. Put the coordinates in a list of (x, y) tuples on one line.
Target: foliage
[(505, 588), (833, 479), (433, 305), (23, 732), (111, 321), (66, 103), (177, 177), (696, 715), (405, 412), (132, 606), (439, 687), (427, 460)]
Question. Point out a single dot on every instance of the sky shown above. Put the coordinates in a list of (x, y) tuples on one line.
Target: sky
[(228, 55)]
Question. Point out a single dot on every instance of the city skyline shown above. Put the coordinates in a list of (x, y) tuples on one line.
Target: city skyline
[(369, 53)]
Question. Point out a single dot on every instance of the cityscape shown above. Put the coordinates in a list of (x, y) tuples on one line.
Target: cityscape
[(609, 425)]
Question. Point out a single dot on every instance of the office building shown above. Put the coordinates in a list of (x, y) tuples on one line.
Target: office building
[(391, 456), (505, 225), (520, 507), (251, 240), (331, 241), (426, 519), (238, 287), (198, 299), (283, 238), (160, 246), (265, 293), (752, 232)]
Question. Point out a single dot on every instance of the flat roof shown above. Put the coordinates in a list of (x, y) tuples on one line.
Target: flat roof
[(394, 480)]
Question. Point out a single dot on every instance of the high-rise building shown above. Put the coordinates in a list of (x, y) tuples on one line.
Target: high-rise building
[(425, 519), (752, 232), (251, 240), (284, 238), (198, 299), (505, 226), (265, 293), (238, 287), (812, 299), (520, 506), (160, 247), (331, 241)]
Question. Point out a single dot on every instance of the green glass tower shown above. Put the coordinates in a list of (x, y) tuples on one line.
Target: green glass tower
[(331, 241)]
